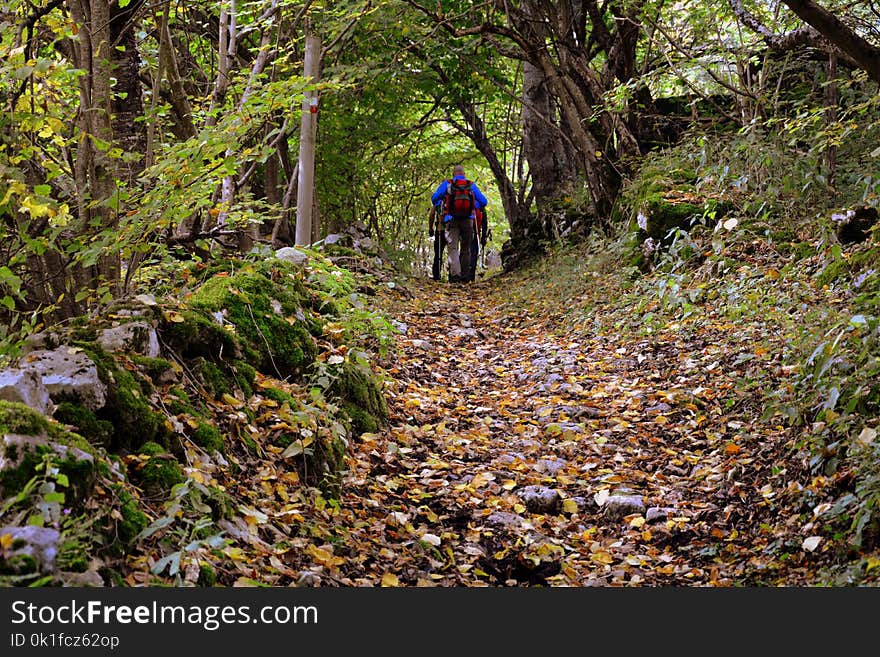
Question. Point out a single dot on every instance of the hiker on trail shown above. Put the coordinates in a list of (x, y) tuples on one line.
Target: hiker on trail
[(459, 198), (435, 230), (481, 236)]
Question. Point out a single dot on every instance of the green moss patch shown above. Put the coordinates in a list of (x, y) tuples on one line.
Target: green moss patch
[(266, 309), (361, 399), (159, 473), (85, 422), (208, 437), (133, 519), (73, 556), (194, 334)]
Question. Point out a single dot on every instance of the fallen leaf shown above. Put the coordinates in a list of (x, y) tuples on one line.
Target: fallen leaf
[(867, 436), (481, 479), (390, 579), (811, 543)]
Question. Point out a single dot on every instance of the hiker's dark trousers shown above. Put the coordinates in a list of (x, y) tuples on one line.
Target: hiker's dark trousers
[(459, 235), (439, 245)]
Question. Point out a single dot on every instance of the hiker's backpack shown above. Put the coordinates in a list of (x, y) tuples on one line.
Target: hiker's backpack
[(460, 202)]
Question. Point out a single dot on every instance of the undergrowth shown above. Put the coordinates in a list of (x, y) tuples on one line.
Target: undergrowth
[(772, 275)]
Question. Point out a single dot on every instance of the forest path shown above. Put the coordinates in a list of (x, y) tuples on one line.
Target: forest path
[(518, 456)]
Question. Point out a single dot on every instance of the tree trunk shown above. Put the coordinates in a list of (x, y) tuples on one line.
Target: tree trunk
[(832, 28), (95, 171), (552, 175), (128, 107)]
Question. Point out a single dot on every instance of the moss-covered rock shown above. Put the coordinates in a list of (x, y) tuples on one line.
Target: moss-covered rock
[(18, 564), (280, 396), (27, 438), (179, 402), (245, 376), (194, 334), (266, 310), (360, 396), (328, 460), (127, 407), (85, 423), (665, 212), (159, 370), (214, 378)]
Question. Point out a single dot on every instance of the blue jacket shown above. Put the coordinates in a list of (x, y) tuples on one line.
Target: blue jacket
[(437, 197)]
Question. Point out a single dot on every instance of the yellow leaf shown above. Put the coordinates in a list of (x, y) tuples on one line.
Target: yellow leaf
[(232, 401), (569, 506), (6, 541), (602, 557), (637, 522), (174, 316), (323, 557), (519, 508), (390, 579), (509, 484), (482, 479), (234, 553), (732, 448)]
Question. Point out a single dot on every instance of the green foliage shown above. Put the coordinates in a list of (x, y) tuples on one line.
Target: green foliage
[(186, 531)]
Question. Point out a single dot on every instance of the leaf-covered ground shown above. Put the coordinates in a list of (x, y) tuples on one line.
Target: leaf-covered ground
[(549, 430)]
